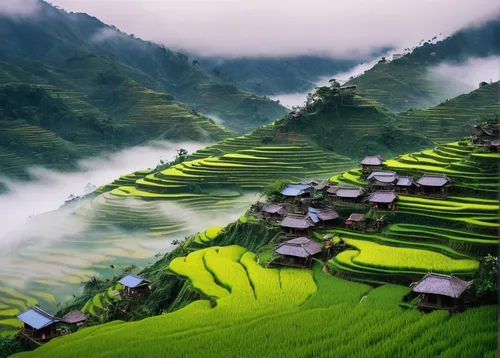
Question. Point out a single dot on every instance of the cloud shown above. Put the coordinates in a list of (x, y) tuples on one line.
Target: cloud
[(104, 34), (19, 8), (471, 72), (50, 188), (235, 28)]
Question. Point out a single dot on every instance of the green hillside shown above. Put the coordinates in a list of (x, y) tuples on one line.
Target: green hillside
[(64, 40), (405, 83), (454, 118), (255, 304)]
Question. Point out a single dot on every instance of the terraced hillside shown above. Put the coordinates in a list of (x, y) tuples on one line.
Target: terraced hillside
[(453, 119), (405, 83), (63, 39), (254, 305)]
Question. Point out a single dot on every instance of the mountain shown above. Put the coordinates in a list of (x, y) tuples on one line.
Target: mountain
[(54, 36), (271, 76), (407, 83)]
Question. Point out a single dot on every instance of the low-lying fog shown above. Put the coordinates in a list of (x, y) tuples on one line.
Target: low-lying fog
[(51, 188)]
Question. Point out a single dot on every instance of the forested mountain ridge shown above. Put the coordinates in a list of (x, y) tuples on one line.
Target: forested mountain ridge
[(54, 36), (406, 82)]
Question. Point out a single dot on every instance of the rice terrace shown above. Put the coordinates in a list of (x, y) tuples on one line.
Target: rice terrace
[(361, 222)]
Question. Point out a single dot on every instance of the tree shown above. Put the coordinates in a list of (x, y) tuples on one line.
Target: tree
[(92, 286), (485, 285), (272, 192)]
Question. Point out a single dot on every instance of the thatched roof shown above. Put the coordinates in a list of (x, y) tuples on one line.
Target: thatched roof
[(297, 222), (75, 317), (274, 209), (383, 197), (372, 160), (436, 180), (385, 176), (349, 192), (356, 217), (441, 285), (299, 247)]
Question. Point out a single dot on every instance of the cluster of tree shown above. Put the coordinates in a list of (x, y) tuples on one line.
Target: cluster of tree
[(484, 288), (179, 158), (272, 192)]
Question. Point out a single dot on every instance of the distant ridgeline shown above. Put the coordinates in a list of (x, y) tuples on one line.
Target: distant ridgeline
[(405, 83)]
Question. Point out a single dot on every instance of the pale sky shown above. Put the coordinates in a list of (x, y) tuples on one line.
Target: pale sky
[(283, 27)]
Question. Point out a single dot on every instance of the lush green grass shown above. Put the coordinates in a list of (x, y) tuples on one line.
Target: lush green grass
[(267, 305)]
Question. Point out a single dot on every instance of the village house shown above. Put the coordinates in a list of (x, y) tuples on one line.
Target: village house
[(405, 185), (298, 225), (40, 326), (494, 144), (382, 180), (297, 191), (440, 292), (434, 185), (298, 252), (371, 163), (76, 318), (383, 200), (135, 287), (274, 211), (322, 216), (484, 135), (346, 194), (356, 222)]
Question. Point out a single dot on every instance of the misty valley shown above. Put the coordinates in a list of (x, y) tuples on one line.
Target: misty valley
[(163, 196)]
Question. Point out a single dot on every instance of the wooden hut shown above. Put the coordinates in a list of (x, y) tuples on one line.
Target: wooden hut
[(135, 287), (384, 200), (297, 224), (405, 185), (356, 221), (40, 326), (434, 185), (322, 216), (371, 163), (382, 180), (298, 252), (297, 191), (274, 211), (484, 134), (346, 194), (76, 318), (440, 292)]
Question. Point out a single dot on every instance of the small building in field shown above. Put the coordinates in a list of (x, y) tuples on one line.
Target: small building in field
[(405, 185), (484, 134), (298, 252), (440, 292), (76, 318), (382, 180), (434, 185), (299, 225), (356, 221), (371, 163), (40, 326), (346, 194), (384, 200), (297, 191), (274, 211), (135, 287), (322, 216)]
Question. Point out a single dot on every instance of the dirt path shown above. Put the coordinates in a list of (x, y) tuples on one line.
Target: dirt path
[(365, 296)]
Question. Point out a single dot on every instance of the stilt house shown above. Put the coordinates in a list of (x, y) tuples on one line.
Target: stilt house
[(346, 194), (299, 225), (383, 200), (298, 252), (356, 221), (371, 163), (434, 185), (135, 287), (382, 180), (40, 326)]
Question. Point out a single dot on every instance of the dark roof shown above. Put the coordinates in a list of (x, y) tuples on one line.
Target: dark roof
[(333, 189), (484, 129), (274, 209), (383, 197), (320, 186), (299, 247), (75, 317), (356, 217), (404, 181), (297, 222), (133, 281), (385, 176), (441, 285), (372, 160), (37, 318), (349, 192), (433, 180)]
